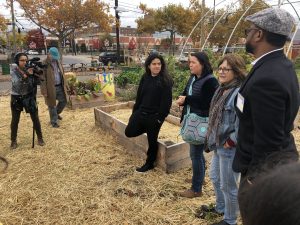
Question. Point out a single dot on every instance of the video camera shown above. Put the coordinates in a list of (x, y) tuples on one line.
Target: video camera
[(36, 64)]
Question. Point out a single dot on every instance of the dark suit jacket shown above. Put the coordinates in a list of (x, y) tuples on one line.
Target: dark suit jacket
[(271, 103)]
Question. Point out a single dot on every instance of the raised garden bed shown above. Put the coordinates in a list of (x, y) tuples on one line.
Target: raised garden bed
[(76, 102), (171, 156)]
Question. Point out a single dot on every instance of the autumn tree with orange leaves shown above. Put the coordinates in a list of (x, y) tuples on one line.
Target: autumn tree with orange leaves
[(3, 22), (62, 17)]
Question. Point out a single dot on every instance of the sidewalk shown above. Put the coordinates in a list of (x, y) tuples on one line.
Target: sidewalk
[(4, 78)]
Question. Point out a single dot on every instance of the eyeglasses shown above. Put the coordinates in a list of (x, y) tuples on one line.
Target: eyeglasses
[(247, 31), (225, 70)]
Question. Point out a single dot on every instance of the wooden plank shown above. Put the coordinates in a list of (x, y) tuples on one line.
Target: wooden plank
[(183, 163), (175, 153), (110, 108), (131, 147), (83, 103)]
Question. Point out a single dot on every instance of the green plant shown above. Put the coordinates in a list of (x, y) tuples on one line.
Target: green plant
[(180, 79), (129, 76), (83, 88), (298, 74), (297, 63), (128, 94)]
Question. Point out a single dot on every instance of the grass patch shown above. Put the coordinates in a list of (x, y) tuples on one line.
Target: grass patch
[(298, 74)]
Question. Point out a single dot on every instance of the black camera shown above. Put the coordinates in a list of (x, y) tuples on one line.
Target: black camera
[(37, 66)]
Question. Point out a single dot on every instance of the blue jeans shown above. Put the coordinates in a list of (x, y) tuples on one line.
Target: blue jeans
[(198, 167), (225, 183)]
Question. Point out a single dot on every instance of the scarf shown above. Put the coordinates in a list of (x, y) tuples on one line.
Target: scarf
[(217, 106)]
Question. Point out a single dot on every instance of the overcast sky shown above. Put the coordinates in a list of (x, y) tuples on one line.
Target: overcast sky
[(131, 11)]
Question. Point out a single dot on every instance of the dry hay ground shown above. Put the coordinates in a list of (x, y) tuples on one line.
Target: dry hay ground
[(83, 176)]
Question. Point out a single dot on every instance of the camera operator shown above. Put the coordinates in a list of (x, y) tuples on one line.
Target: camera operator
[(23, 95)]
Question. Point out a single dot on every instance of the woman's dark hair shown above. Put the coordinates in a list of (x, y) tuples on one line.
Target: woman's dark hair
[(237, 64), (166, 78), (274, 198), (18, 56), (204, 61)]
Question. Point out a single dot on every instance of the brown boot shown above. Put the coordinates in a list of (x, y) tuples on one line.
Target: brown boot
[(189, 193)]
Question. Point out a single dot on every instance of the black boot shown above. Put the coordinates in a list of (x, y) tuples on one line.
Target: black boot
[(41, 142), (147, 166), (13, 145)]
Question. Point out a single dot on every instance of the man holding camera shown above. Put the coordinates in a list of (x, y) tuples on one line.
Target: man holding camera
[(23, 96), (54, 86)]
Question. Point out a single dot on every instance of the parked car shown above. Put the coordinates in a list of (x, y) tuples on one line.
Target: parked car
[(32, 52), (111, 57), (184, 58)]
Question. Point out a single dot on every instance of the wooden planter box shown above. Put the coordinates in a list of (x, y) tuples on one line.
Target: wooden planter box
[(170, 158), (75, 103)]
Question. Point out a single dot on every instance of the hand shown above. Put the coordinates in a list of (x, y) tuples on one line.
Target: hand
[(30, 71), (226, 145), (180, 101)]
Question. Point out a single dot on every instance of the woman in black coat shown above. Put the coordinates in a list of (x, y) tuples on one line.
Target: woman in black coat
[(152, 106), (204, 85)]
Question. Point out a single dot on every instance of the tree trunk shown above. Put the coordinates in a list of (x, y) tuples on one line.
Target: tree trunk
[(60, 40)]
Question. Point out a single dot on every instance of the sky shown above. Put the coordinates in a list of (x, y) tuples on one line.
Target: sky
[(130, 12), (129, 8)]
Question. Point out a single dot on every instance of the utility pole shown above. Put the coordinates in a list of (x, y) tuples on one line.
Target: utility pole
[(202, 23), (117, 29), (214, 12), (13, 26)]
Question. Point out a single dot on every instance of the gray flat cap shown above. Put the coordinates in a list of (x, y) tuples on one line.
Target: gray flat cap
[(274, 20)]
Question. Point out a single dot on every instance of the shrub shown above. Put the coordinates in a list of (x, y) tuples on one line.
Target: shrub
[(129, 76)]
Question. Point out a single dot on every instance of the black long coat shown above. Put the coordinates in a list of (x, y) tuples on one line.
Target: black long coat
[(271, 103)]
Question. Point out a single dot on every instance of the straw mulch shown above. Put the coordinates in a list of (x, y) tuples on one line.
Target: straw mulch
[(83, 176)]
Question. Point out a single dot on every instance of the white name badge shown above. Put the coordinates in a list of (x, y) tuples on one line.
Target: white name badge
[(240, 102)]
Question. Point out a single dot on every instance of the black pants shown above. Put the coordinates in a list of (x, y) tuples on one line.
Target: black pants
[(16, 108), (140, 123)]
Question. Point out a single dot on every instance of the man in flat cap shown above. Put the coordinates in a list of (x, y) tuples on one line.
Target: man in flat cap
[(54, 86), (268, 101)]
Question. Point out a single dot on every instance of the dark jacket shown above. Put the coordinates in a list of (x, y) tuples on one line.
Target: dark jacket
[(154, 97), (21, 85), (271, 103), (202, 94)]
